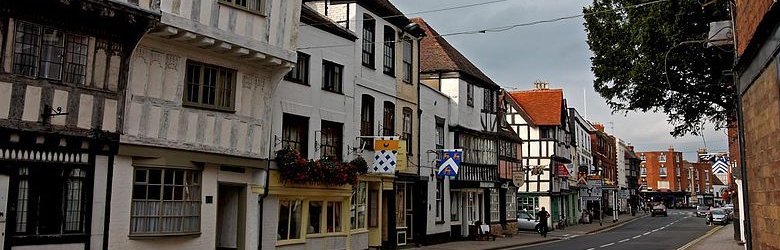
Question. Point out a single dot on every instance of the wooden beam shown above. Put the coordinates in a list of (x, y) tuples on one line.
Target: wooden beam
[(205, 42), (255, 56), (221, 47), (238, 51), (185, 36)]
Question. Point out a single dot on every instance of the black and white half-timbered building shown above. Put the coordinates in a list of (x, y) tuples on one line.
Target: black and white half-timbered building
[(475, 194), (63, 72), (540, 118)]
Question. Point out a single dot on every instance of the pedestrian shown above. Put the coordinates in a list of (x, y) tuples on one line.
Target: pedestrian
[(542, 215)]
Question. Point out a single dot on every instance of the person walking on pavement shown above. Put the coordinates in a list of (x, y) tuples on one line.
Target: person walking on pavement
[(542, 215)]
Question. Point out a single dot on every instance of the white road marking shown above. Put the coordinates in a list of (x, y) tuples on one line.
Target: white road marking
[(590, 248), (623, 240), (606, 245), (635, 237), (646, 233)]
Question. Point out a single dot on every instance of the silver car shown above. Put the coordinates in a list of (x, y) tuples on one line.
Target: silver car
[(719, 216), (526, 221)]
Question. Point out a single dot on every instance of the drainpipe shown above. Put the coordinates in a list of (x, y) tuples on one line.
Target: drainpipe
[(261, 198)]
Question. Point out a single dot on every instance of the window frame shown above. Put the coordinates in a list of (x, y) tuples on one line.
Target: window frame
[(441, 133), (455, 206), (388, 119), (408, 128), (301, 123), (470, 94), (359, 200), (367, 119), (292, 202), (296, 75), (331, 81), (408, 56), (388, 55), (69, 48), (511, 206), (220, 85), (495, 209), (439, 200), (261, 9), (194, 187), (331, 145), (369, 38)]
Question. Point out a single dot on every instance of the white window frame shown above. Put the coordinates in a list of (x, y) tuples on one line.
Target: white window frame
[(191, 197), (359, 203)]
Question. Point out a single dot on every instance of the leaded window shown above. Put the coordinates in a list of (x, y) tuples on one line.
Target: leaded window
[(45, 52), (49, 200), (165, 201), (209, 86)]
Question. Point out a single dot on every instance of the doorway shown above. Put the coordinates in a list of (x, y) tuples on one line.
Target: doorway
[(231, 216), (4, 181)]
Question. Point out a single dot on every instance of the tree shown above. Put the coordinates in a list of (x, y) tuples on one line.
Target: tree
[(653, 58)]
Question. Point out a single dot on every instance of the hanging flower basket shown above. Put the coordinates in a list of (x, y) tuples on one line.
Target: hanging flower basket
[(296, 169)]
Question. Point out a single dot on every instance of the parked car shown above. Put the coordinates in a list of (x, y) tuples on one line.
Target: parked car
[(701, 211), (659, 209), (719, 216), (526, 221)]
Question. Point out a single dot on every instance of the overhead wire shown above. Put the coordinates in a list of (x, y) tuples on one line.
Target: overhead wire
[(513, 26)]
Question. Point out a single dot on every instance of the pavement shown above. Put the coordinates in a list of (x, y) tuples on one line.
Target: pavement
[(525, 238), (721, 238)]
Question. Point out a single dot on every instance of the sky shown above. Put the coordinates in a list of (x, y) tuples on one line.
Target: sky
[(553, 52)]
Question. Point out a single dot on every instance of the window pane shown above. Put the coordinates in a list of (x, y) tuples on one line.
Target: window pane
[(172, 206), (334, 216), (26, 48), (315, 217), (76, 59), (52, 54), (193, 83), (209, 86)]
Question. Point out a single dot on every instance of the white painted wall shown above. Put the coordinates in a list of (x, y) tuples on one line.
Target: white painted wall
[(211, 176), (434, 104), (315, 103)]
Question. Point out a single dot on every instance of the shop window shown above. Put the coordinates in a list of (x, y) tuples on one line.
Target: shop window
[(165, 201), (495, 209), (315, 217), (511, 205), (290, 212), (455, 206), (334, 216), (51, 200), (358, 206)]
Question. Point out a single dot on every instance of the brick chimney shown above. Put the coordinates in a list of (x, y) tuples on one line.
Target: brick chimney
[(598, 126), (541, 85)]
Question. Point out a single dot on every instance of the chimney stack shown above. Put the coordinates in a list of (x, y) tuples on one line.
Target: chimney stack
[(541, 85)]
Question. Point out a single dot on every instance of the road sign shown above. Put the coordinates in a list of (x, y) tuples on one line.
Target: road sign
[(594, 187), (624, 194)]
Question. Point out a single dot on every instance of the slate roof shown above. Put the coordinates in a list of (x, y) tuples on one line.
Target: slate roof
[(438, 55), (543, 106)]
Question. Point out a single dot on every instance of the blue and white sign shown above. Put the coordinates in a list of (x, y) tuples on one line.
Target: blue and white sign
[(449, 164)]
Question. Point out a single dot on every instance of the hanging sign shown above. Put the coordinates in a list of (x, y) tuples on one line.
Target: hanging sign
[(385, 155), (449, 164), (518, 178)]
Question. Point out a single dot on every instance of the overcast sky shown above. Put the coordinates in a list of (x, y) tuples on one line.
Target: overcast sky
[(555, 52)]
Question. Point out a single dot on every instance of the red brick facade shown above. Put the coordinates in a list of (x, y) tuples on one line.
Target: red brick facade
[(604, 154), (656, 164), (748, 15)]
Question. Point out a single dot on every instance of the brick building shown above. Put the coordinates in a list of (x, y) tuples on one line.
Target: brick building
[(756, 25), (604, 161), (661, 175)]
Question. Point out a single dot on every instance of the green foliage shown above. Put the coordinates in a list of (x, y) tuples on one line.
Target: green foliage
[(629, 50)]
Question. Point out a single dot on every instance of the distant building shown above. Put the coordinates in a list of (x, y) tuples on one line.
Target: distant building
[(604, 164)]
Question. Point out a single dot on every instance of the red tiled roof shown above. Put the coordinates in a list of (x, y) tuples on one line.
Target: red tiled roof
[(542, 105), (438, 55)]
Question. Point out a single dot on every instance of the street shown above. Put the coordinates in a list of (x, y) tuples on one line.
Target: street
[(670, 232)]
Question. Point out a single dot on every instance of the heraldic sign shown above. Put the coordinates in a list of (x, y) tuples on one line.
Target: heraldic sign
[(449, 164)]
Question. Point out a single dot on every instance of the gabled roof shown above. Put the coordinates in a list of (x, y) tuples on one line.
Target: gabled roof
[(319, 21), (438, 55), (542, 105)]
